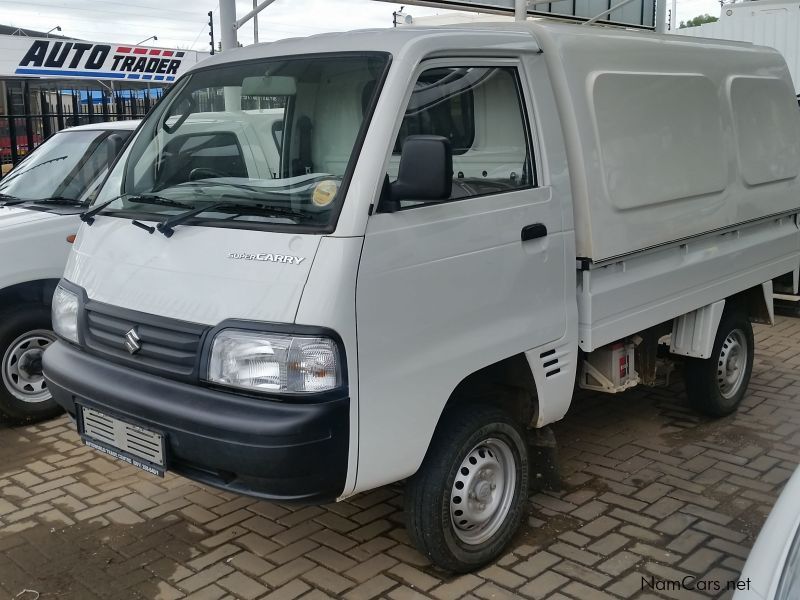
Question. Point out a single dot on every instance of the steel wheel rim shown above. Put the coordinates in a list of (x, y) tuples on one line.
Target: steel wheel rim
[(21, 366), (732, 363), (483, 491)]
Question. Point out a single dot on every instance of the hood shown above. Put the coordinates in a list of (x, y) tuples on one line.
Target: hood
[(201, 274), (14, 216)]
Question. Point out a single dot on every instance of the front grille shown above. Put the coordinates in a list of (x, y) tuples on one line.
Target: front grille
[(166, 347)]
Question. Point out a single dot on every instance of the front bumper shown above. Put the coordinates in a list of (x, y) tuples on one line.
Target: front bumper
[(274, 450)]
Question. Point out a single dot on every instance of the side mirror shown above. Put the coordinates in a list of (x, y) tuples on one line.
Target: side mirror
[(114, 144), (426, 171)]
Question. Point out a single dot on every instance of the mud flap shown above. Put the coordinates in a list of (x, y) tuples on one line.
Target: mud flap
[(544, 473)]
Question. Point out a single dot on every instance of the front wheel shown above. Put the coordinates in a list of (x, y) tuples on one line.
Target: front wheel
[(467, 500), (24, 335), (716, 386)]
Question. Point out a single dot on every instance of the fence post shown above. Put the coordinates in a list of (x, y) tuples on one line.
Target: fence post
[(120, 108), (76, 117), (105, 106), (12, 126), (134, 106), (90, 104), (60, 111), (26, 106), (47, 126)]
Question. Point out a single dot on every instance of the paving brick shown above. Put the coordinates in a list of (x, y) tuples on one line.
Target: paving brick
[(536, 564), (663, 507), (285, 573), (619, 563), (608, 544), (543, 585), (599, 526), (242, 585), (413, 577), (489, 591), (327, 580), (206, 577), (580, 573), (701, 560), (368, 569), (371, 588), (590, 510), (502, 576)]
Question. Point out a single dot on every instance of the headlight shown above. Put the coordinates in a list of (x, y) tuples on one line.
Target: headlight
[(280, 363), (65, 314)]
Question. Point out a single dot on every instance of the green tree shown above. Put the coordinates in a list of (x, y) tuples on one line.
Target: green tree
[(698, 20)]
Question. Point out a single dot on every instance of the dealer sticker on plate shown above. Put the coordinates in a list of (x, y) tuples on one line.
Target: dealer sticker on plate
[(135, 445)]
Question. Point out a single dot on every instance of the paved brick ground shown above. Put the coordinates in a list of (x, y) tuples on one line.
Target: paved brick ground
[(650, 489)]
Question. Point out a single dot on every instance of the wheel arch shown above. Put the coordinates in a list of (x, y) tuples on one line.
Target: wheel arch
[(508, 384), (39, 291)]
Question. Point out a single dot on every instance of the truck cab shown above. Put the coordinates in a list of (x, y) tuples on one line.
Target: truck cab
[(462, 222), (40, 200)]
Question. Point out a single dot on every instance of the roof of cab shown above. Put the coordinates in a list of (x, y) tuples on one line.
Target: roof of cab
[(107, 126), (522, 35)]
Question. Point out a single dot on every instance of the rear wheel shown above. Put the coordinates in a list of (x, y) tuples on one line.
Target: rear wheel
[(467, 500), (24, 335), (716, 386)]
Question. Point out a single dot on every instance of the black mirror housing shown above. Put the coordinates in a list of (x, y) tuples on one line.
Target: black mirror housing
[(426, 170), (114, 144)]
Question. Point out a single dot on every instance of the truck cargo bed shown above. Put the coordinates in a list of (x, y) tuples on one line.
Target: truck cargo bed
[(620, 298)]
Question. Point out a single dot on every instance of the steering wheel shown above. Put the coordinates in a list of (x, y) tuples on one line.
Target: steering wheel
[(204, 173)]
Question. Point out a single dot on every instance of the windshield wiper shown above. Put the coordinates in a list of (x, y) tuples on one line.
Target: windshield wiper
[(167, 227), (9, 200), (88, 216), (266, 210), (58, 200)]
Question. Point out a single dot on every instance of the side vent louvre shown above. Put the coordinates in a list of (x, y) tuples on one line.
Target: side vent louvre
[(551, 362)]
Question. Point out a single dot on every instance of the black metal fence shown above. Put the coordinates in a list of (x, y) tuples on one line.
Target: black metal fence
[(30, 115)]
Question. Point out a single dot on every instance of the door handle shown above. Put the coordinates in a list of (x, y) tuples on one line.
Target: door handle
[(535, 231)]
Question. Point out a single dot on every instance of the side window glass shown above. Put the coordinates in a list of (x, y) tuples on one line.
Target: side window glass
[(480, 110)]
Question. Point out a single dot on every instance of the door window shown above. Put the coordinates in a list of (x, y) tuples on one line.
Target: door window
[(480, 110)]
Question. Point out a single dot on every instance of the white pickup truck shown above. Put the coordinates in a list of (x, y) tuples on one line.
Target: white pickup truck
[(464, 221), (40, 200)]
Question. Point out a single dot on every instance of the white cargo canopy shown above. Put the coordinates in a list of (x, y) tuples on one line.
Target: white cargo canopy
[(641, 14)]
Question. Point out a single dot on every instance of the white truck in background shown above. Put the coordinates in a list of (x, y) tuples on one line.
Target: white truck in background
[(464, 221), (40, 200)]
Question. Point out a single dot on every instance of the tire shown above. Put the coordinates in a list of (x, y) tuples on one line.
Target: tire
[(470, 436), (24, 333), (716, 386)]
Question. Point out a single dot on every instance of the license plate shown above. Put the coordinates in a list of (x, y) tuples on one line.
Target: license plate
[(130, 443)]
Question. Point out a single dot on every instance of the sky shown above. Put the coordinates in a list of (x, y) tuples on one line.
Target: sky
[(183, 23)]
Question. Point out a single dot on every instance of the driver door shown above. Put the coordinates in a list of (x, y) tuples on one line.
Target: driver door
[(447, 289)]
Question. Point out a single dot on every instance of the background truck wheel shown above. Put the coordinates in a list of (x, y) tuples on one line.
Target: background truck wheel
[(24, 334), (717, 385), (467, 500)]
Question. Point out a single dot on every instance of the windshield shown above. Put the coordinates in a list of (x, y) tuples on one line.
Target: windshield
[(67, 166), (265, 144)]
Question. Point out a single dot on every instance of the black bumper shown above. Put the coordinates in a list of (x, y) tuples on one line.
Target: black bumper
[(269, 449)]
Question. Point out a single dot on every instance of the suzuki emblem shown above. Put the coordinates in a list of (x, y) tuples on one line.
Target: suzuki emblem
[(132, 341)]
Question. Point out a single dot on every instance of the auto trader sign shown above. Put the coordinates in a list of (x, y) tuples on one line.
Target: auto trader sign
[(35, 57)]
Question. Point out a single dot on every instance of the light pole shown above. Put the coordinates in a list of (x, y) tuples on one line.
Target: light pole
[(56, 28), (152, 37)]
